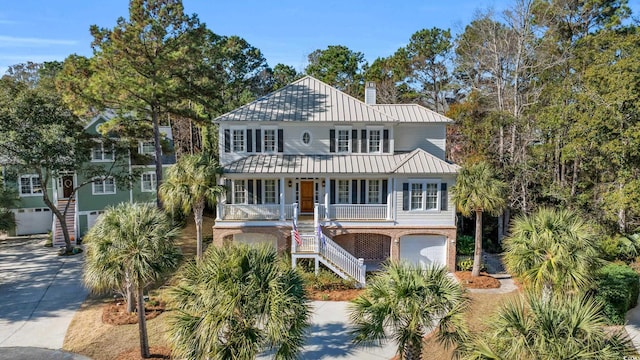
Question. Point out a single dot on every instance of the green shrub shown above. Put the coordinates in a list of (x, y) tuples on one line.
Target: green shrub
[(617, 287), (465, 244), (327, 280), (467, 265), (619, 247)]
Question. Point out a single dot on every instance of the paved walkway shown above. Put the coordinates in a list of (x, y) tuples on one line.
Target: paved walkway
[(633, 326), (39, 294)]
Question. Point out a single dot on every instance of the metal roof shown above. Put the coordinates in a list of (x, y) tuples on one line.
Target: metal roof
[(311, 100), (412, 113), (416, 162)]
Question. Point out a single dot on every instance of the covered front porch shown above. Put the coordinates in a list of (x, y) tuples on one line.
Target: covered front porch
[(327, 198)]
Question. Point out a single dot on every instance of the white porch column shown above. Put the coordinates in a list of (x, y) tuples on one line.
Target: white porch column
[(326, 197), (282, 217), (390, 199), (220, 200)]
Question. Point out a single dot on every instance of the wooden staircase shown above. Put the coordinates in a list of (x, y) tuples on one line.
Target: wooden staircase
[(58, 237)]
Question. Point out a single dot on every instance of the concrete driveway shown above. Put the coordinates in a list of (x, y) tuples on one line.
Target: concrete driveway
[(39, 294)]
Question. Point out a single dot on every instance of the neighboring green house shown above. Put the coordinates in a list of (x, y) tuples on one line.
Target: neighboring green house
[(91, 199)]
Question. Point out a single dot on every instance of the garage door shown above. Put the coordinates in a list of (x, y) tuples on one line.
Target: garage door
[(33, 221), (426, 250), (92, 218)]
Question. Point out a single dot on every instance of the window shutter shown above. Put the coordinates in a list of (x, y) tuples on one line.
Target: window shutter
[(278, 192), (405, 196), (354, 140), (249, 191), (363, 142), (227, 188), (332, 191), (363, 191), (227, 140), (249, 140), (385, 192), (332, 142), (385, 141), (258, 191), (258, 140), (280, 140), (444, 197), (354, 191)]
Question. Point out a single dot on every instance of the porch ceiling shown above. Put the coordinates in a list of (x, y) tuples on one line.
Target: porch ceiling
[(416, 162)]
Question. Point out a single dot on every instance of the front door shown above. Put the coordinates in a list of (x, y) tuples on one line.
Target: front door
[(306, 196), (67, 186)]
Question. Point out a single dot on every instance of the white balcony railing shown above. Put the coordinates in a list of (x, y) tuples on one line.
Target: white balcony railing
[(251, 211), (358, 211)]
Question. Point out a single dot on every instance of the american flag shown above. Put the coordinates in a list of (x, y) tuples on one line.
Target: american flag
[(296, 234), (323, 241)]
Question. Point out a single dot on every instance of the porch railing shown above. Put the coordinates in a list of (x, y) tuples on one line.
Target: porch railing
[(357, 211), (251, 211)]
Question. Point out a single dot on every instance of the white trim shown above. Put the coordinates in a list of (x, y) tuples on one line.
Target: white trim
[(141, 147), (263, 130), (232, 148), (337, 200), (101, 180), (349, 139), (264, 191), (380, 129), (102, 153), (424, 183), (380, 199)]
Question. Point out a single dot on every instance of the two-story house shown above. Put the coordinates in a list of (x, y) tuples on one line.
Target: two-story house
[(359, 179), (90, 200)]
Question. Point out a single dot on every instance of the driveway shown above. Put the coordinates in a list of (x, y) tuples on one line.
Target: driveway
[(39, 294)]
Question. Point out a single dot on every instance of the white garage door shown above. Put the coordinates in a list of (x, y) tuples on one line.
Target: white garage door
[(426, 250), (92, 217), (33, 221)]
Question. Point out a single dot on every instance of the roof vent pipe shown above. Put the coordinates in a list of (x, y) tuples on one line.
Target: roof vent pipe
[(370, 93)]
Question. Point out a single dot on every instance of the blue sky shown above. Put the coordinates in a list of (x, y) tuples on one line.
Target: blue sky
[(286, 31)]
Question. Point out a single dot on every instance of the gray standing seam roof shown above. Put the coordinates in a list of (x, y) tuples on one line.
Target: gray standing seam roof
[(418, 162)]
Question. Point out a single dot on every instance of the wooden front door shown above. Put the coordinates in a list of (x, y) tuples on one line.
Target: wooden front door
[(67, 186), (306, 196)]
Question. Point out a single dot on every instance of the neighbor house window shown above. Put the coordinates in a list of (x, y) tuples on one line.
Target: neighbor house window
[(343, 140), (373, 194), (424, 195), (270, 194), (102, 153), (149, 182), (269, 140), (375, 137), (239, 192), (343, 192), (103, 186), (147, 148), (30, 185), (238, 140)]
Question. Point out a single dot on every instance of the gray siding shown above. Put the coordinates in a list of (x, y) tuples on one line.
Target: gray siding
[(431, 218), (429, 137)]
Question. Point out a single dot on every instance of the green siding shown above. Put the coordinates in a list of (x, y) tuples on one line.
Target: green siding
[(82, 225)]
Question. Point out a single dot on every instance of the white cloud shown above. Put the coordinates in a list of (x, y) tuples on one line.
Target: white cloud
[(13, 41)]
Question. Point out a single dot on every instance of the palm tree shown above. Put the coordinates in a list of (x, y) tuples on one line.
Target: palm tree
[(564, 327), (190, 186), (130, 247), (236, 302), (552, 250), (478, 190), (409, 302)]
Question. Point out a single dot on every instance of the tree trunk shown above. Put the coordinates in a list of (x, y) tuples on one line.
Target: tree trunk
[(158, 152), (412, 351), (130, 294), (507, 219), (142, 325), (500, 228), (574, 179), (198, 208), (56, 212), (477, 253), (622, 221)]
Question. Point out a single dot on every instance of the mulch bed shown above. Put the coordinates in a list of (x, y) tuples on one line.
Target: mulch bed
[(333, 295), (157, 352), (115, 313), (484, 281)]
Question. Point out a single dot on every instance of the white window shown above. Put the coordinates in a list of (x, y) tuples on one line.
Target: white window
[(238, 136), (343, 140), (148, 182), (374, 193), (103, 186), (100, 153), (375, 138), (147, 148), (270, 194), (239, 192), (424, 195), (30, 185), (343, 192), (269, 140)]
